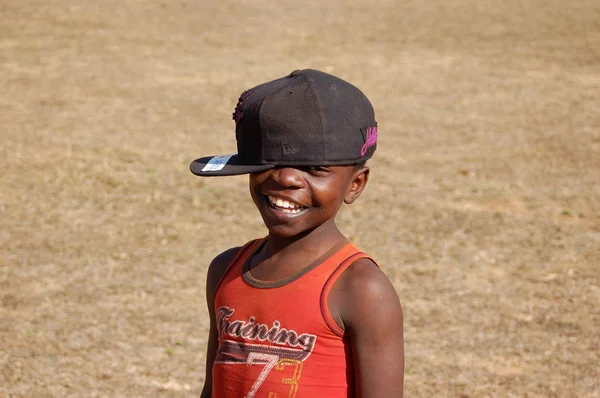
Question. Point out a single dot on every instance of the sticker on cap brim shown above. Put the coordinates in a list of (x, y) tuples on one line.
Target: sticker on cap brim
[(217, 163)]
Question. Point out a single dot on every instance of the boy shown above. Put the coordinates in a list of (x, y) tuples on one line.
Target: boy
[(302, 312)]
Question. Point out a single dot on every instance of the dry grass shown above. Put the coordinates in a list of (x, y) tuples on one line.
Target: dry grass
[(483, 207)]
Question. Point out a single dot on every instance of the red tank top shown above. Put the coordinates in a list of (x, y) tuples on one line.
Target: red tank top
[(278, 339)]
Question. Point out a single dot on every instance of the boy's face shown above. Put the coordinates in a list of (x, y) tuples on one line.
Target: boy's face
[(292, 200)]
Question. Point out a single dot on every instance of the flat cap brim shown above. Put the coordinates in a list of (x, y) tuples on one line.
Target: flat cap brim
[(225, 165)]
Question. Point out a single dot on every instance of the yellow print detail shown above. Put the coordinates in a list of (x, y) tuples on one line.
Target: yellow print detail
[(292, 381)]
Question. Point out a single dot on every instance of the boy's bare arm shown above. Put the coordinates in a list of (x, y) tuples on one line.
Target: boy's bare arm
[(372, 315), (215, 272)]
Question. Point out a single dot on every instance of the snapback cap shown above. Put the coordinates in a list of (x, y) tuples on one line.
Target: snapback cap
[(308, 118)]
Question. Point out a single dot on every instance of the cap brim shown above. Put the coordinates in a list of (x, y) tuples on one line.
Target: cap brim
[(227, 165)]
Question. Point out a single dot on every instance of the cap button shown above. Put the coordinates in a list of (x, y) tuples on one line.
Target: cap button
[(294, 73)]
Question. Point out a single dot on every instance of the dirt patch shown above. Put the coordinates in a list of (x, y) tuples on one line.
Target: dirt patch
[(483, 206)]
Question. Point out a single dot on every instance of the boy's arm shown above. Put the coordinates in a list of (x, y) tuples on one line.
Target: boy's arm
[(215, 272), (366, 303)]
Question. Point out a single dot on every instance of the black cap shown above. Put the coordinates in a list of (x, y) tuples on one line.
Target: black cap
[(308, 118)]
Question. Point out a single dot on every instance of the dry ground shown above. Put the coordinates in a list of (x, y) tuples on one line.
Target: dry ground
[(483, 208)]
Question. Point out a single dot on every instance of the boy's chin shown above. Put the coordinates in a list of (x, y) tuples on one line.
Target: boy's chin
[(285, 231), (295, 232), (288, 231)]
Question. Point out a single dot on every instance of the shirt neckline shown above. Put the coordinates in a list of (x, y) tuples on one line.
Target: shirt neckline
[(252, 281)]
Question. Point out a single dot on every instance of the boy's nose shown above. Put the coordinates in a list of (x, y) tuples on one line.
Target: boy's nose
[(288, 177)]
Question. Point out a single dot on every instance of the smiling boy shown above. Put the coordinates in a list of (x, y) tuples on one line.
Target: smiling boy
[(301, 312)]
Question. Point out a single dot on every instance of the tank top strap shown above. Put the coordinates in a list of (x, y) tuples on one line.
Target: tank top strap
[(348, 255), (240, 258)]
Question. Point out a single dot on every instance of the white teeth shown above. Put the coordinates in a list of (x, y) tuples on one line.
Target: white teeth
[(285, 206), (291, 211)]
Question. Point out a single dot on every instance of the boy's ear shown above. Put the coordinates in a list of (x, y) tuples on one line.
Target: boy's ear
[(359, 181)]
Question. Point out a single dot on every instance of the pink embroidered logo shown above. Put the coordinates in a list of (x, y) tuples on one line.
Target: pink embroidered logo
[(238, 113), (370, 140)]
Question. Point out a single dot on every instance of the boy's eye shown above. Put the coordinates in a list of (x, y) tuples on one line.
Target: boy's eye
[(313, 169)]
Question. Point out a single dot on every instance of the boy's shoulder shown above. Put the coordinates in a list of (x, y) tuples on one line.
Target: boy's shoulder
[(362, 276), (218, 267), (363, 289), (220, 263), (225, 258)]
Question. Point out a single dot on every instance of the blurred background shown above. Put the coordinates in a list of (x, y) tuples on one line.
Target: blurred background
[(483, 205)]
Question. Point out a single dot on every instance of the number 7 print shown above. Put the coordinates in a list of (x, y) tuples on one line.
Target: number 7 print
[(269, 360), (232, 352)]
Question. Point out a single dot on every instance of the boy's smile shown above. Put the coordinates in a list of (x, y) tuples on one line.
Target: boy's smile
[(292, 200), (285, 206)]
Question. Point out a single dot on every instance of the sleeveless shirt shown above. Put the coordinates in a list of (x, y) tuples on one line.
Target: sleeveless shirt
[(278, 339)]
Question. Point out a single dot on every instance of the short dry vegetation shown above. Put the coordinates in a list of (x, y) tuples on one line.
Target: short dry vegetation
[(483, 207)]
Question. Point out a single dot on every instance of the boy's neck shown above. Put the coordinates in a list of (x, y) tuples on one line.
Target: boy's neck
[(319, 239), (282, 257)]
